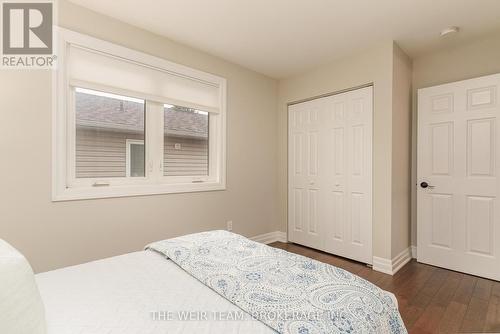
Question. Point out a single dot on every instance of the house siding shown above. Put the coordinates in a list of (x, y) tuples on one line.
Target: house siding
[(102, 154), (190, 159)]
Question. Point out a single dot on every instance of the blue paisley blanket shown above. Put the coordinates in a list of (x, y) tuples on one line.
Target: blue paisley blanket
[(288, 292)]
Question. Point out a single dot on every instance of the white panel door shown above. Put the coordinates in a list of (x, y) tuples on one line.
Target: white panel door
[(348, 188), (458, 222), (330, 174), (305, 164)]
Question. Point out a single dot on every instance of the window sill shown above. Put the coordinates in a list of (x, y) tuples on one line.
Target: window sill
[(83, 193)]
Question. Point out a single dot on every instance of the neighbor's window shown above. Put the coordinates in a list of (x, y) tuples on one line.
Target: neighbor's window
[(135, 158), (129, 124)]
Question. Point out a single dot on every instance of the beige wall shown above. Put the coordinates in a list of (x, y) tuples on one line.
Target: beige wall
[(372, 66), (476, 58), (401, 151), (53, 235)]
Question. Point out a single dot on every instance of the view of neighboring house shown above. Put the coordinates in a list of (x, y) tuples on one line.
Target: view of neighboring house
[(110, 137)]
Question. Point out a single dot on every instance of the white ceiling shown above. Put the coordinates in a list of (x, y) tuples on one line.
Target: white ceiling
[(281, 38)]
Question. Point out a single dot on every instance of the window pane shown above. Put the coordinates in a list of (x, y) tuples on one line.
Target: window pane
[(104, 123), (185, 141), (136, 159)]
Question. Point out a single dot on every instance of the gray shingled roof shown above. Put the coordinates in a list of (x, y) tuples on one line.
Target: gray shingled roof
[(106, 113)]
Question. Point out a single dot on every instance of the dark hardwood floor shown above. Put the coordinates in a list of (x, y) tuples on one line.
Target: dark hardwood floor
[(431, 299)]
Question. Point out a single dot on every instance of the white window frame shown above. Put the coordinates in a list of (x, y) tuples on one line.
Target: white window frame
[(65, 185), (128, 156)]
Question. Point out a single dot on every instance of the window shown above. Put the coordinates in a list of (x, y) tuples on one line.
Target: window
[(128, 124), (135, 158)]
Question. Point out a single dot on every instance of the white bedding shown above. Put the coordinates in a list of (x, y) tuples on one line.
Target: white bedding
[(118, 294)]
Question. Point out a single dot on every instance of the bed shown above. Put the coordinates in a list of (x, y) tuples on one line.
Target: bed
[(124, 294), (211, 282)]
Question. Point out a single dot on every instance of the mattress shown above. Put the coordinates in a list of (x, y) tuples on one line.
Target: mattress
[(136, 293)]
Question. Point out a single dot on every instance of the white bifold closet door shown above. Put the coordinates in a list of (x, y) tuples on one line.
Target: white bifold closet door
[(330, 174)]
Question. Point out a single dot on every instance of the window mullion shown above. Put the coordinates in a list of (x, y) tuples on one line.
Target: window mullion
[(160, 142), (154, 147)]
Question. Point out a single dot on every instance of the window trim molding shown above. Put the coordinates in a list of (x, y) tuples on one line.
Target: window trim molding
[(62, 175)]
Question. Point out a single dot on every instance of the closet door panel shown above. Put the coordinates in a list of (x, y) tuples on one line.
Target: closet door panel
[(305, 209)]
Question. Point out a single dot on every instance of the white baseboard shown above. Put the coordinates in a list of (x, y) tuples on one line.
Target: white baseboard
[(401, 259), (382, 265), (270, 237), (391, 267), (282, 237), (414, 252)]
